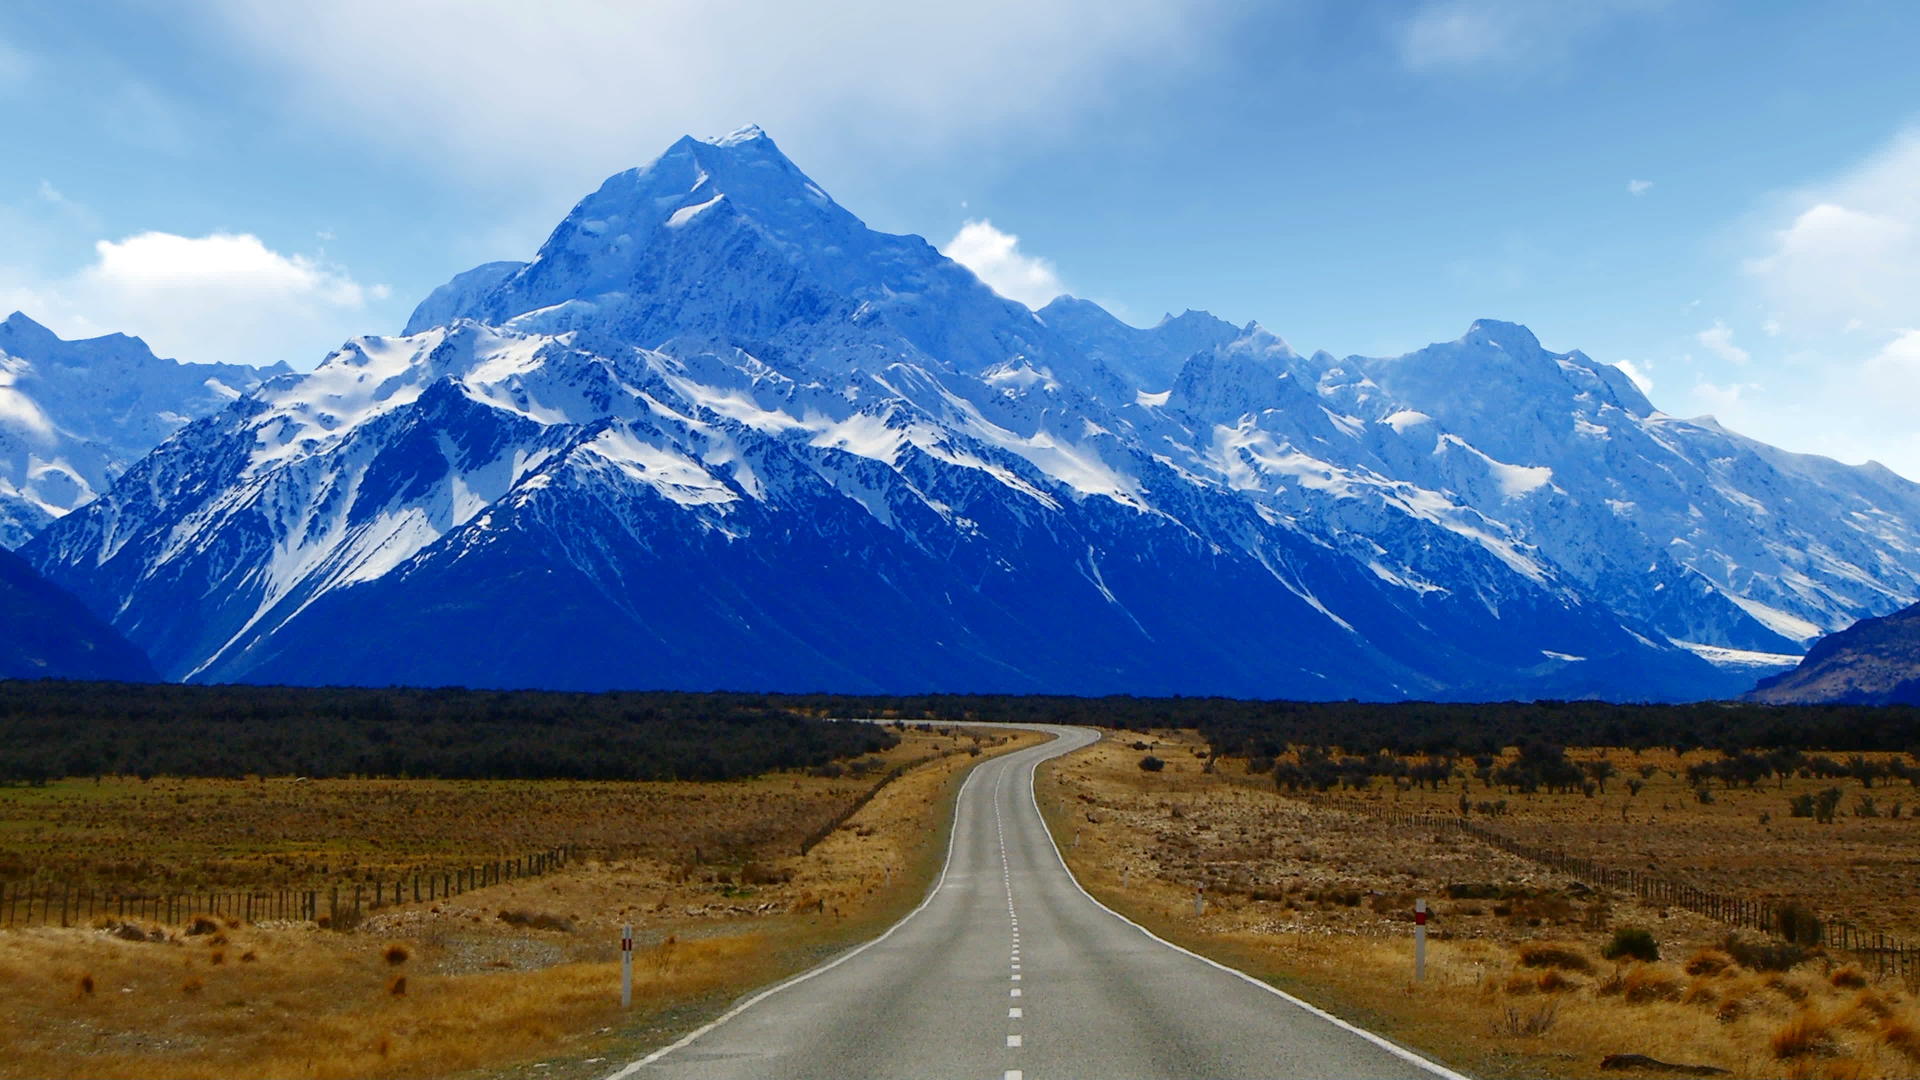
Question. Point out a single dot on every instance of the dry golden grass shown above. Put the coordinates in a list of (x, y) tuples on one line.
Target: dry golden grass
[(1320, 901), (198, 834), (433, 989), (1742, 843)]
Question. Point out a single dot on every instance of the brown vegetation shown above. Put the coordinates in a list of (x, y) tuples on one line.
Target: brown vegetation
[(1319, 899), (435, 988)]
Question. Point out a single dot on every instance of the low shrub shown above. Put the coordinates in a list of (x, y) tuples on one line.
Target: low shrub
[(537, 920), (1632, 943), (1848, 978), (1798, 924), (1765, 955), (395, 954), (1151, 764)]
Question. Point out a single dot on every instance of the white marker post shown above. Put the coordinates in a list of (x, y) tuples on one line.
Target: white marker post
[(1419, 940), (1200, 900), (626, 966)]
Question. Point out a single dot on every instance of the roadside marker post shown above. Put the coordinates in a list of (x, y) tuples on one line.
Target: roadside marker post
[(1200, 900), (1419, 940), (626, 966)]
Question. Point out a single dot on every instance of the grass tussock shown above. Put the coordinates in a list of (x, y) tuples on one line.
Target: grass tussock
[(1902, 1035), (395, 954), (1561, 957), (1848, 977), (1708, 962), (1808, 1033), (1521, 1022)]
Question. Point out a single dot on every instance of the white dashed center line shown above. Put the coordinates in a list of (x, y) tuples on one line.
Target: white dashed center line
[(1014, 1012)]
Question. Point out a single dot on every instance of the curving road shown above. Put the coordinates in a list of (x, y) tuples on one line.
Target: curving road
[(1009, 970)]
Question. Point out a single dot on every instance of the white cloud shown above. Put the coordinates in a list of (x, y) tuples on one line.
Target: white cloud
[(1639, 187), (1893, 373), (489, 86), (1727, 403), (995, 257), (1850, 248), (1718, 339), (1452, 34), (1637, 373), (222, 297)]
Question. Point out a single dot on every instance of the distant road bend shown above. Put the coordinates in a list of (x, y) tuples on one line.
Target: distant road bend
[(1010, 971)]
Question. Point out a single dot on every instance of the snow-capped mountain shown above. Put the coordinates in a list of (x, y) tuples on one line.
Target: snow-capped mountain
[(718, 433), (75, 414)]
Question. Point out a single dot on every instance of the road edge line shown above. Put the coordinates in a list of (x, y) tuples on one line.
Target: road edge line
[(953, 836), (1381, 1041)]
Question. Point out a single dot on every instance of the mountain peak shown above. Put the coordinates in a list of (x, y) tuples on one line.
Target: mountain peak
[(740, 136), (1509, 336), (19, 325)]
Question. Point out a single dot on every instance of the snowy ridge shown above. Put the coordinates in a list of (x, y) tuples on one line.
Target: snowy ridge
[(716, 432), (75, 414)]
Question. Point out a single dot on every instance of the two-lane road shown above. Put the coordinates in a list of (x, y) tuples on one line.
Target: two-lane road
[(1010, 971)]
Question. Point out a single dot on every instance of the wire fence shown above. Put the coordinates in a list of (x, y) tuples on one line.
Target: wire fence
[(1888, 954), (46, 903)]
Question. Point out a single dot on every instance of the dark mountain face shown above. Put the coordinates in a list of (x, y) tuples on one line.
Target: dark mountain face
[(717, 433), (1872, 662), (47, 634)]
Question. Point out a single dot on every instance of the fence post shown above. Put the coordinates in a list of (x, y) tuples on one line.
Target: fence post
[(626, 966), (1419, 940)]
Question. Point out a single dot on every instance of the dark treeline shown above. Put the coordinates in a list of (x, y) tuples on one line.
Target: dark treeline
[(59, 729), (1258, 729), (56, 729)]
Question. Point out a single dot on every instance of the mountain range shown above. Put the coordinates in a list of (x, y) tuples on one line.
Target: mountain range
[(716, 432), (75, 414)]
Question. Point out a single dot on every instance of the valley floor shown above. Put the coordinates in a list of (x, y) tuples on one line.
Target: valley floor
[(519, 978)]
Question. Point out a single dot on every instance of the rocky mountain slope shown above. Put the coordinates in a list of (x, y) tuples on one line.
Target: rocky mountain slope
[(1872, 662), (75, 414), (47, 634), (716, 432)]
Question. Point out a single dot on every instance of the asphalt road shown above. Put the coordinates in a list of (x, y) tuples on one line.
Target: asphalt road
[(1010, 971)]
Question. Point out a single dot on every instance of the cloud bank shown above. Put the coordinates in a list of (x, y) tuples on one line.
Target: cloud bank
[(223, 297), (486, 86)]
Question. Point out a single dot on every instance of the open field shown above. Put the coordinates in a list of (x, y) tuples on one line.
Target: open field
[(1744, 841), (191, 834), (495, 979), (1320, 899)]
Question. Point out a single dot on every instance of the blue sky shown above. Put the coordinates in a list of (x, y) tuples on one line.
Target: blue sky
[(1725, 196)]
